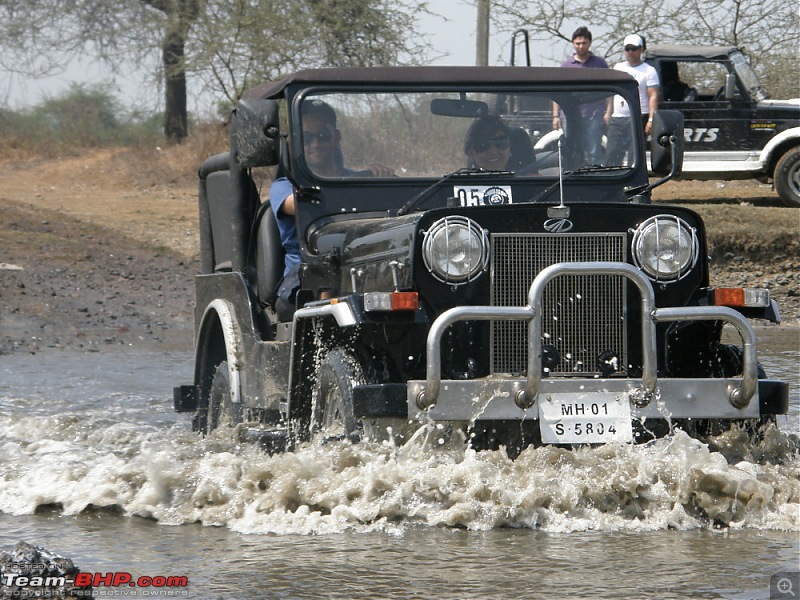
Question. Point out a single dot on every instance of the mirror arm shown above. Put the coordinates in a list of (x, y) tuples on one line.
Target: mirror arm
[(648, 187)]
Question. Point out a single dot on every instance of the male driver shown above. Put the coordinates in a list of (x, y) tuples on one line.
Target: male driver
[(618, 120), (322, 151), (593, 112)]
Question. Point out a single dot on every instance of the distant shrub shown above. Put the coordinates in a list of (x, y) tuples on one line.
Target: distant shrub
[(83, 117), (19, 133)]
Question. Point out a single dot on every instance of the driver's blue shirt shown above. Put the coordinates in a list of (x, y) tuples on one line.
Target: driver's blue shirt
[(280, 190)]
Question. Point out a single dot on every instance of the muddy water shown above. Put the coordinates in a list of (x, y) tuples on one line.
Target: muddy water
[(94, 465)]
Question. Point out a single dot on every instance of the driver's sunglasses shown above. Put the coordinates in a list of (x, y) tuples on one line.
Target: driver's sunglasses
[(323, 136), (499, 143), (632, 48)]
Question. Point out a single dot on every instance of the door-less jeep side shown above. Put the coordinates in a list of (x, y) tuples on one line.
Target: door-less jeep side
[(545, 301), (733, 130)]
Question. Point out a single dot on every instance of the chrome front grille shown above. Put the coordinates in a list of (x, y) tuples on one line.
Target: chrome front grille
[(582, 316)]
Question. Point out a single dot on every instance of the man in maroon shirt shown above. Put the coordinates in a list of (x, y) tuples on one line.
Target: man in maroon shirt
[(592, 113)]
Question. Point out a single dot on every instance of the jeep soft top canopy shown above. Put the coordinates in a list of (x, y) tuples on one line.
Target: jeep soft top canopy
[(699, 52), (437, 75)]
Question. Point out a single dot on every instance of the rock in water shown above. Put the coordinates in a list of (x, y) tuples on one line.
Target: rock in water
[(33, 572)]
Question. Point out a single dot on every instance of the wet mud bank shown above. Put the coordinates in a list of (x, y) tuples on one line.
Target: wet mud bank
[(65, 283)]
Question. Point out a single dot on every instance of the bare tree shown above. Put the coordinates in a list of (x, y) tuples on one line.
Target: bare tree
[(768, 30), (262, 39), (41, 37), (179, 17), (227, 44)]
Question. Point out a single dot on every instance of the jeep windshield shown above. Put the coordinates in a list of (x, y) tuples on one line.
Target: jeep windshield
[(425, 133), (748, 77)]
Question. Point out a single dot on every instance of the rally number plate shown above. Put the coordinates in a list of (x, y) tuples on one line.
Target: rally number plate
[(483, 195), (603, 418)]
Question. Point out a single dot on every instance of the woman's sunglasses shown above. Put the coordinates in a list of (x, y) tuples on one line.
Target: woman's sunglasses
[(499, 143)]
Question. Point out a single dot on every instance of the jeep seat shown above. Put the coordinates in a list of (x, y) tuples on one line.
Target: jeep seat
[(269, 255), (219, 233), (218, 197)]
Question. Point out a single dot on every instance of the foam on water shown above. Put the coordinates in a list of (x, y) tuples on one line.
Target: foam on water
[(79, 462)]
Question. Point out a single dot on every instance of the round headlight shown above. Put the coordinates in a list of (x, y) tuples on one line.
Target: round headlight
[(455, 250), (665, 248)]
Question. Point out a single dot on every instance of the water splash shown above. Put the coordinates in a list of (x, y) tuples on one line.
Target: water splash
[(177, 477)]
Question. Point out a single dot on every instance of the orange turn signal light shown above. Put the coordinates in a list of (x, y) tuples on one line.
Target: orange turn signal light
[(740, 297), (405, 301), (390, 301)]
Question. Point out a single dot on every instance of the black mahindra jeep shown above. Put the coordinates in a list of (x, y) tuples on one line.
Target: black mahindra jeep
[(521, 297), (733, 130)]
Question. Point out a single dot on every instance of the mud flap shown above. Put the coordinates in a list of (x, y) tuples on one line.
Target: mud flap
[(184, 398)]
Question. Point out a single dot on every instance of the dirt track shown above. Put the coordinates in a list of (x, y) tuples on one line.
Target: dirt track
[(93, 255), (89, 258)]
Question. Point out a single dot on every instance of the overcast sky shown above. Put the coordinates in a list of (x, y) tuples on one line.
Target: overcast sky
[(454, 39)]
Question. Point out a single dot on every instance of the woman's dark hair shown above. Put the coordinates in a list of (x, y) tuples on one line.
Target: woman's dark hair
[(482, 129)]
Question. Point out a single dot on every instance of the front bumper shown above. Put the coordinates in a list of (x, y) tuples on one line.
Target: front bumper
[(501, 398), (495, 398)]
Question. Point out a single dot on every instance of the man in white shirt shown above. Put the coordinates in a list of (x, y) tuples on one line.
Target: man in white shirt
[(618, 114)]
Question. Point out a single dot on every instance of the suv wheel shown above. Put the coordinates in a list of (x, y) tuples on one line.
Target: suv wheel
[(333, 408), (787, 178), (220, 408)]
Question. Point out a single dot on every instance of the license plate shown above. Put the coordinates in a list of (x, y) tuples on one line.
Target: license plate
[(599, 419)]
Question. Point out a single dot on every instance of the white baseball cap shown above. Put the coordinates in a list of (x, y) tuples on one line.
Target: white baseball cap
[(633, 40)]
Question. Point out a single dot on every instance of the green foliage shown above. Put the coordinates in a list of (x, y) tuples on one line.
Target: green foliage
[(87, 116), (83, 117)]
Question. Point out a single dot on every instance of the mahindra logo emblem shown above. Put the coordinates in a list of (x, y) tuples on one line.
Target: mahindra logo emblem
[(557, 225)]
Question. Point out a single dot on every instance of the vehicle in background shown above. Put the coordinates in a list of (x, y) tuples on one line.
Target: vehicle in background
[(732, 128)]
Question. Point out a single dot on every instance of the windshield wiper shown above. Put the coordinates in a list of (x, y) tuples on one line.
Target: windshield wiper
[(568, 174), (598, 168), (424, 194)]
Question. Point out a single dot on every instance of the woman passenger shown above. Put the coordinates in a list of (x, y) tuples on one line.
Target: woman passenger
[(492, 145)]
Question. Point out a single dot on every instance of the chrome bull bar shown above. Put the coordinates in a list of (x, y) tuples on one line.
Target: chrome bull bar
[(525, 397)]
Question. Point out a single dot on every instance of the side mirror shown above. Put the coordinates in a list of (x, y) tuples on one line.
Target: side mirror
[(255, 133), (666, 145)]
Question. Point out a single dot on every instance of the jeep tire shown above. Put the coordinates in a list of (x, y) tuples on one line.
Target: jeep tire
[(220, 407), (334, 416), (787, 178)]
